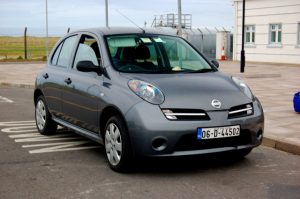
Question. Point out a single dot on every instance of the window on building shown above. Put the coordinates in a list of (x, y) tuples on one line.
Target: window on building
[(250, 34), (275, 33)]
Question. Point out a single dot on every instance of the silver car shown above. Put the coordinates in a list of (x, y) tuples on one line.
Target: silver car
[(145, 93)]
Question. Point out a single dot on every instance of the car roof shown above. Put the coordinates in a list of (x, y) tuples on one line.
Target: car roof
[(127, 30)]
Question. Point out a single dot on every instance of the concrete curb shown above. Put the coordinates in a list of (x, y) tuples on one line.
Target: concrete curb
[(281, 145), (16, 85), (267, 141)]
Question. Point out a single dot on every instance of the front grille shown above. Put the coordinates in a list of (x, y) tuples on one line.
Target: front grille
[(240, 111), (190, 142), (185, 114)]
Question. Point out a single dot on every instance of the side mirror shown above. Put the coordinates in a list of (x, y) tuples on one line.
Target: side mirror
[(88, 66), (215, 62)]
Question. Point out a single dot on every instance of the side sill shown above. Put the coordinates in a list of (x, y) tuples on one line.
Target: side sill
[(81, 131)]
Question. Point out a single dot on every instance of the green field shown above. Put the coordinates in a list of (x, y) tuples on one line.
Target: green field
[(12, 48)]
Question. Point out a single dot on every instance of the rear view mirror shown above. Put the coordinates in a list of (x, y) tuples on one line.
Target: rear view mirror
[(215, 63), (88, 66)]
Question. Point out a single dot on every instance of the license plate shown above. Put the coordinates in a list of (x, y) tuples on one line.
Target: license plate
[(218, 132)]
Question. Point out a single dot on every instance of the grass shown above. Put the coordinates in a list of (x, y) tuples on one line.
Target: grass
[(12, 48)]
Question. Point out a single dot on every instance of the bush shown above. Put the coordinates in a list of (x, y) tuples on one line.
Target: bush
[(20, 57)]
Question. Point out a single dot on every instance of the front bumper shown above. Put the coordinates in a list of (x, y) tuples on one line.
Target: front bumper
[(148, 127)]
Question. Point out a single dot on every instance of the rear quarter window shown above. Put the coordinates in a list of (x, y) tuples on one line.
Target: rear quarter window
[(66, 51), (56, 54)]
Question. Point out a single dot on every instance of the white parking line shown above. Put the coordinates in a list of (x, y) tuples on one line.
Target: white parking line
[(18, 123), (20, 129), (63, 146), (26, 132), (5, 100), (46, 139), (26, 135)]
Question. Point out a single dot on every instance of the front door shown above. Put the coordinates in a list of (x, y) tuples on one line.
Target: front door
[(82, 95)]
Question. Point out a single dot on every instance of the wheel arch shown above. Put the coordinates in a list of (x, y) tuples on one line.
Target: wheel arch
[(37, 93), (108, 112)]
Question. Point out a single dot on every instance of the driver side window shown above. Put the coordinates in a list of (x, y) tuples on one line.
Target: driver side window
[(88, 50)]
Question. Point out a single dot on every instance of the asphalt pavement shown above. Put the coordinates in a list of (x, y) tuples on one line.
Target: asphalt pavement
[(66, 165)]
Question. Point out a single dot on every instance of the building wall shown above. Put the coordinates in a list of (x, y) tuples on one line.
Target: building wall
[(262, 13)]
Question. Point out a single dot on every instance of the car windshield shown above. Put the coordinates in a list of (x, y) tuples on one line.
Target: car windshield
[(155, 54)]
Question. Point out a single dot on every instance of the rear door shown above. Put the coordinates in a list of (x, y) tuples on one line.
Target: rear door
[(55, 73)]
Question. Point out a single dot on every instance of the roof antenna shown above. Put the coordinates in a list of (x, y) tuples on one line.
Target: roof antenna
[(131, 21)]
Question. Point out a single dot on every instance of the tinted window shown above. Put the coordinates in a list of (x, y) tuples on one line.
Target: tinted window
[(88, 50), (56, 54), (66, 51)]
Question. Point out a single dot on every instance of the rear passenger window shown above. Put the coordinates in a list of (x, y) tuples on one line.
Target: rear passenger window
[(66, 52), (56, 54)]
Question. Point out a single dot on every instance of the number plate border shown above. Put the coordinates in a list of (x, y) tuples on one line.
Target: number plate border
[(199, 136)]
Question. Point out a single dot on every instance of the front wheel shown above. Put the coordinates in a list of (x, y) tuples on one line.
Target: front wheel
[(117, 144), (44, 122)]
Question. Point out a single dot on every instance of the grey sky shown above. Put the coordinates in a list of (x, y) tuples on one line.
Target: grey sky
[(16, 14)]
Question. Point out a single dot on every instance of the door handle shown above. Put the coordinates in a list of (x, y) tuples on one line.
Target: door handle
[(46, 75), (68, 81)]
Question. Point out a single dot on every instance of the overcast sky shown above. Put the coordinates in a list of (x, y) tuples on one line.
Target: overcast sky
[(16, 14)]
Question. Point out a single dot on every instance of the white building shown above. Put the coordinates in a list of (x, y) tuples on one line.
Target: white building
[(272, 31)]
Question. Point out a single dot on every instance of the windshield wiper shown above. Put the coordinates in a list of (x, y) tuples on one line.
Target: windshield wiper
[(205, 70)]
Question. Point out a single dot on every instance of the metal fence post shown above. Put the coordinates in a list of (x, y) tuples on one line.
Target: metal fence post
[(25, 43)]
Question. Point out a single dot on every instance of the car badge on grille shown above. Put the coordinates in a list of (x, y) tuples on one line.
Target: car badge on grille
[(216, 103)]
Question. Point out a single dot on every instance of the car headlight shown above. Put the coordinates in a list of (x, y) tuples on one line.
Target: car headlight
[(146, 91), (243, 86)]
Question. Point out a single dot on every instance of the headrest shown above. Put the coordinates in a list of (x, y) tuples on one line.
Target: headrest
[(142, 52), (128, 53)]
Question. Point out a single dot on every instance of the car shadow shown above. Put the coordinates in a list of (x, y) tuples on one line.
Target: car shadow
[(189, 164), (175, 165)]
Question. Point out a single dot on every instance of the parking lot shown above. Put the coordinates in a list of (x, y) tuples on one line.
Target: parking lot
[(66, 165)]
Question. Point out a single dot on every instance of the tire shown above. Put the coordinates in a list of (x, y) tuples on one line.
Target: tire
[(43, 120), (117, 145)]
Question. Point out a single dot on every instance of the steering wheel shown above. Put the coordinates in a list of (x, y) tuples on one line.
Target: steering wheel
[(129, 67)]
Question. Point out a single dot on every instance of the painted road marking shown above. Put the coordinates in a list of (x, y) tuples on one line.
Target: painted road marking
[(5, 100), (25, 132)]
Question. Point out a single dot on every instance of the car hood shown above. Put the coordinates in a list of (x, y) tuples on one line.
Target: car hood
[(195, 90)]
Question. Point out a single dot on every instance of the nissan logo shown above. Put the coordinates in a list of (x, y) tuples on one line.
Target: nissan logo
[(216, 103)]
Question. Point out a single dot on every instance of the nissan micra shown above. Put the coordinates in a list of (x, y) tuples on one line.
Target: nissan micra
[(144, 93)]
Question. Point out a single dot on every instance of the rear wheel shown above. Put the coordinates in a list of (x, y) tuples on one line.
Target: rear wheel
[(44, 122), (117, 145)]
